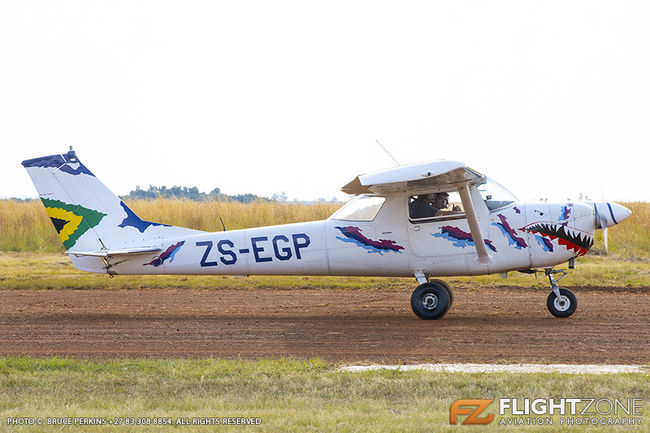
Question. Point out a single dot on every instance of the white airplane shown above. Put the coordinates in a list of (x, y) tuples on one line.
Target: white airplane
[(399, 224)]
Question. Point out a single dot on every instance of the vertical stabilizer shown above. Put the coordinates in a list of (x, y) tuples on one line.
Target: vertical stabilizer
[(85, 213)]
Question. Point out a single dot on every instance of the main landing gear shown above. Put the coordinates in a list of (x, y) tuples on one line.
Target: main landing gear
[(560, 302), (432, 300)]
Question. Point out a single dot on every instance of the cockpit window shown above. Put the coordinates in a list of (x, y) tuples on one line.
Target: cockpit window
[(362, 208), (435, 206), (495, 195)]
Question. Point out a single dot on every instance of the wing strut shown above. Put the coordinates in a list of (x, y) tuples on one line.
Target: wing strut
[(475, 229)]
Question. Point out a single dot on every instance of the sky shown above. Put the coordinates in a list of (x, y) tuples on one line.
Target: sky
[(550, 98)]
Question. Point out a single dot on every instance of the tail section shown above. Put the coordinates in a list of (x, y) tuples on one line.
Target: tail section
[(88, 217)]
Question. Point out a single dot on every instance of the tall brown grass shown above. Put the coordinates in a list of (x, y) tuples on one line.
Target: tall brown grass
[(631, 238), (235, 215), (25, 226)]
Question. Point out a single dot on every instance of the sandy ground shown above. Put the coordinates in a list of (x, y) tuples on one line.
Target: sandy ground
[(611, 326)]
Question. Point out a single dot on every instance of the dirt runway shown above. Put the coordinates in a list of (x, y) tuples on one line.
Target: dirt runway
[(484, 325)]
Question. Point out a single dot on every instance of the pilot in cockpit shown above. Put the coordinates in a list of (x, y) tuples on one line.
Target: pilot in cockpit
[(430, 205), (422, 206)]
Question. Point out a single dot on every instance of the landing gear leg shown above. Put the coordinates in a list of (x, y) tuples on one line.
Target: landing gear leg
[(560, 302)]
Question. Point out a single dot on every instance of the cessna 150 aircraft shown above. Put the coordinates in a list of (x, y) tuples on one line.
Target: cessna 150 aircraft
[(398, 224)]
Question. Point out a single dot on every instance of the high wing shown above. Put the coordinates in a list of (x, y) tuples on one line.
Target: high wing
[(432, 176), (415, 178)]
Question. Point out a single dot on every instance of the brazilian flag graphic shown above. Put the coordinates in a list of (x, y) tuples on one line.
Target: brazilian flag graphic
[(71, 221)]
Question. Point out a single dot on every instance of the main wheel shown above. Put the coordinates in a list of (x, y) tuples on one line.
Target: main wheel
[(430, 301), (446, 286), (564, 306)]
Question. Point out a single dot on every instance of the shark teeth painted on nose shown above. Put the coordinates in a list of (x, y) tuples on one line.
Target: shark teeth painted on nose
[(573, 239)]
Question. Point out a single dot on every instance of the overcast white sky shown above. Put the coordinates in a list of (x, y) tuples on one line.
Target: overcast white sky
[(551, 98)]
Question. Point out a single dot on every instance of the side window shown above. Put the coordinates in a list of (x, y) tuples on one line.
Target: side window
[(362, 208), (435, 207)]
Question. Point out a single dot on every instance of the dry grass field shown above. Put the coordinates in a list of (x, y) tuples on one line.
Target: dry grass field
[(25, 226)]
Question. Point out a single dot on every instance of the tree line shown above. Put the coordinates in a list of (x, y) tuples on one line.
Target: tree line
[(193, 193)]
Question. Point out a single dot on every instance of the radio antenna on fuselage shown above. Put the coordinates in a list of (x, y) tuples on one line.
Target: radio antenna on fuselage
[(387, 152)]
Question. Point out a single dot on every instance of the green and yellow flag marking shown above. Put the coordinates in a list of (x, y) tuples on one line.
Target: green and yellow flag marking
[(71, 221)]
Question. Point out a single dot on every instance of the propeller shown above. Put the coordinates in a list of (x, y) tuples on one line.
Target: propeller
[(601, 223), (607, 214)]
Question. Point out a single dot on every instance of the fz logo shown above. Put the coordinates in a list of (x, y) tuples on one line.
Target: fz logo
[(472, 408)]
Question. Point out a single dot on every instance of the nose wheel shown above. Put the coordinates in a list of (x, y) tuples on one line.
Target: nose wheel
[(561, 302)]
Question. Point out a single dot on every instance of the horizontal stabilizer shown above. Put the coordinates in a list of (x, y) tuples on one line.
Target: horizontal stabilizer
[(125, 252)]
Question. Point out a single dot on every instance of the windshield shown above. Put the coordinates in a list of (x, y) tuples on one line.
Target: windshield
[(362, 208), (495, 195)]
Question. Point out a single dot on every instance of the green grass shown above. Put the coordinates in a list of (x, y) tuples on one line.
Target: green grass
[(55, 271), (287, 395)]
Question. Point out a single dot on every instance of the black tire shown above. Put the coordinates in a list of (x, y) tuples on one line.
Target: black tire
[(446, 286), (563, 307), (430, 301)]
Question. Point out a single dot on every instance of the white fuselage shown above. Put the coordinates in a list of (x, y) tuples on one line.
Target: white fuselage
[(517, 236)]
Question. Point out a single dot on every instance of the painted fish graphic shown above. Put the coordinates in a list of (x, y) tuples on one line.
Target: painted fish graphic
[(461, 238), (169, 253), (518, 241), (353, 234)]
